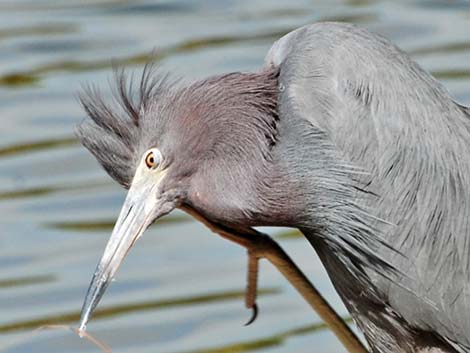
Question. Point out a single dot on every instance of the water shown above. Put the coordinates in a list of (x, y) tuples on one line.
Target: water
[(181, 288)]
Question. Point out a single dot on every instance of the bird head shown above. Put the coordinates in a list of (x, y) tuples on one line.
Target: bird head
[(201, 146)]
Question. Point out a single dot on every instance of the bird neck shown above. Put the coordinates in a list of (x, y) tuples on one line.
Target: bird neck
[(309, 187)]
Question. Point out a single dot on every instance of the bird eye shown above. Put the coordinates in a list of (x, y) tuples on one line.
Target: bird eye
[(152, 159)]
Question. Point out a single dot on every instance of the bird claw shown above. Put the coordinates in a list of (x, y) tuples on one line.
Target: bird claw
[(254, 314)]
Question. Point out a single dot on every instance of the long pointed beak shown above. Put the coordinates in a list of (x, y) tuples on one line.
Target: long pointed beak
[(140, 209)]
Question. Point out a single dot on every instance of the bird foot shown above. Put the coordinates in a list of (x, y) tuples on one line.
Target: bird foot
[(253, 242), (259, 246), (254, 314)]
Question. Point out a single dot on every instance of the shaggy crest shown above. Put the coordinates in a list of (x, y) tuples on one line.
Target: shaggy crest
[(115, 133), (112, 132)]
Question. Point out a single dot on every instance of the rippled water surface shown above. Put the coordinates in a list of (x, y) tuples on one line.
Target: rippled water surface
[(181, 288)]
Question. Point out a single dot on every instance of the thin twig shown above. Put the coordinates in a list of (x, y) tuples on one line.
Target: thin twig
[(95, 341)]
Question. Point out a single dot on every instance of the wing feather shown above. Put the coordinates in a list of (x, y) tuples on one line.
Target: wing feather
[(387, 116)]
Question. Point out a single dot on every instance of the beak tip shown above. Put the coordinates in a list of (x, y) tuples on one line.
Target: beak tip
[(82, 329), (132, 222), (85, 316)]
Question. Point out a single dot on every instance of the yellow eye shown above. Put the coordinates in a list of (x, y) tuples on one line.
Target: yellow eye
[(150, 160), (153, 158)]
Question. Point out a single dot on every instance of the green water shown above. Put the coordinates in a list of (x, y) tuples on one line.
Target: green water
[(181, 288)]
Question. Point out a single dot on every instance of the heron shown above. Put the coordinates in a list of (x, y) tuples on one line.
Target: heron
[(341, 135)]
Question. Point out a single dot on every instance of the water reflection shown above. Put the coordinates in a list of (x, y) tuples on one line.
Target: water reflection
[(266, 342), (39, 30), (26, 281), (36, 146), (34, 75), (108, 224), (107, 312)]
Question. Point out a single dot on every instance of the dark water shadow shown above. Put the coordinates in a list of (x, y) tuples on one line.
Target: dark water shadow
[(150, 9), (43, 29), (26, 281), (444, 4), (266, 342), (11, 150), (447, 48), (452, 74), (100, 7), (358, 18), (289, 234), (48, 190), (108, 224)]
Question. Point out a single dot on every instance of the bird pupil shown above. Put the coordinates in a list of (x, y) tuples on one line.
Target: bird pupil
[(150, 160)]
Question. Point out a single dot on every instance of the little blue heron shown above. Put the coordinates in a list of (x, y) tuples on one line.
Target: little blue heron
[(340, 135)]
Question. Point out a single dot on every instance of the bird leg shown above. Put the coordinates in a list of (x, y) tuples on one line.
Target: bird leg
[(252, 286), (260, 245)]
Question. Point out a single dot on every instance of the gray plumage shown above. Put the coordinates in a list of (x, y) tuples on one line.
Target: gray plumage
[(340, 135)]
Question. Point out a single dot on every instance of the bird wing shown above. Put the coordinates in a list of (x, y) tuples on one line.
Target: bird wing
[(386, 115)]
